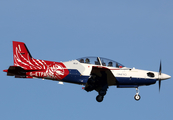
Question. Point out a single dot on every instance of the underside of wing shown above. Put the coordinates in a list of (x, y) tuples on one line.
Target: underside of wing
[(100, 79), (105, 74)]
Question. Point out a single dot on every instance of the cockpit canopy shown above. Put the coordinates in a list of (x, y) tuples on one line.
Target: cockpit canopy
[(100, 61)]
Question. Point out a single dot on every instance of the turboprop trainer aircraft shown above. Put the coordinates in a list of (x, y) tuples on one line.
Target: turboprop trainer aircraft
[(95, 73)]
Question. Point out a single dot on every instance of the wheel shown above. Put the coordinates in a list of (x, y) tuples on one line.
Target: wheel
[(137, 97), (99, 98)]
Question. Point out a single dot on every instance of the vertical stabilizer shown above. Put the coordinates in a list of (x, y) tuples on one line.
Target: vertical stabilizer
[(21, 55)]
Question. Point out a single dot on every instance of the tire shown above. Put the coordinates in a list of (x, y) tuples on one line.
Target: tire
[(99, 98), (137, 97)]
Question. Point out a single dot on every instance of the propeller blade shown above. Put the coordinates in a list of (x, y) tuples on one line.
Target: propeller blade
[(159, 85), (160, 72), (160, 69)]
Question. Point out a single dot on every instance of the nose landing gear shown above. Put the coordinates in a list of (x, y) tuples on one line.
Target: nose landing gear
[(137, 96)]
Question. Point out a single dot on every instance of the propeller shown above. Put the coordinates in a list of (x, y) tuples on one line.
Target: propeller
[(159, 77)]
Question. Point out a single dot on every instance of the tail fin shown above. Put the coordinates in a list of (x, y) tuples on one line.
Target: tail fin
[(21, 55)]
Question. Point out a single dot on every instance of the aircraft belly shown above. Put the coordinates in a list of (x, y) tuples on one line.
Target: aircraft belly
[(134, 81)]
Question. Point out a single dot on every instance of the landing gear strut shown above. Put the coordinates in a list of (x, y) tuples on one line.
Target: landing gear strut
[(137, 96)]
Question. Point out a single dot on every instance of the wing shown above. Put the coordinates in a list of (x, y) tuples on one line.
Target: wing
[(100, 79), (102, 72)]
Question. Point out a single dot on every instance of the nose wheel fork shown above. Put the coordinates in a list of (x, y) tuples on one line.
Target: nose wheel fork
[(137, 96)]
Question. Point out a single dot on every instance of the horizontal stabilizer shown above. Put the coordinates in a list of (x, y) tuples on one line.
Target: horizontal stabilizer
[(17, 71)]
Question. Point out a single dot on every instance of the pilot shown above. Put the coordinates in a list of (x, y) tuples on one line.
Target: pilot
[(87, 60), (117, 65), (110, 64), (81, 60), (104, 64)]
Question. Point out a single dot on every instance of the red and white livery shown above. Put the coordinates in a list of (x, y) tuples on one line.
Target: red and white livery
[(96, 73)]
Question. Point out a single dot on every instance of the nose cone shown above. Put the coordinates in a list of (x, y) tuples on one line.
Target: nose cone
[(164, 76)]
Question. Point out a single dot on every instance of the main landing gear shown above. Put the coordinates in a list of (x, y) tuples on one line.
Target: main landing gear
[(102, 93), (99, 84), (137, 96)]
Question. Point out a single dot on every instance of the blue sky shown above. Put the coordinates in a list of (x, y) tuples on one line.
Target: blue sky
[(135, 33)]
